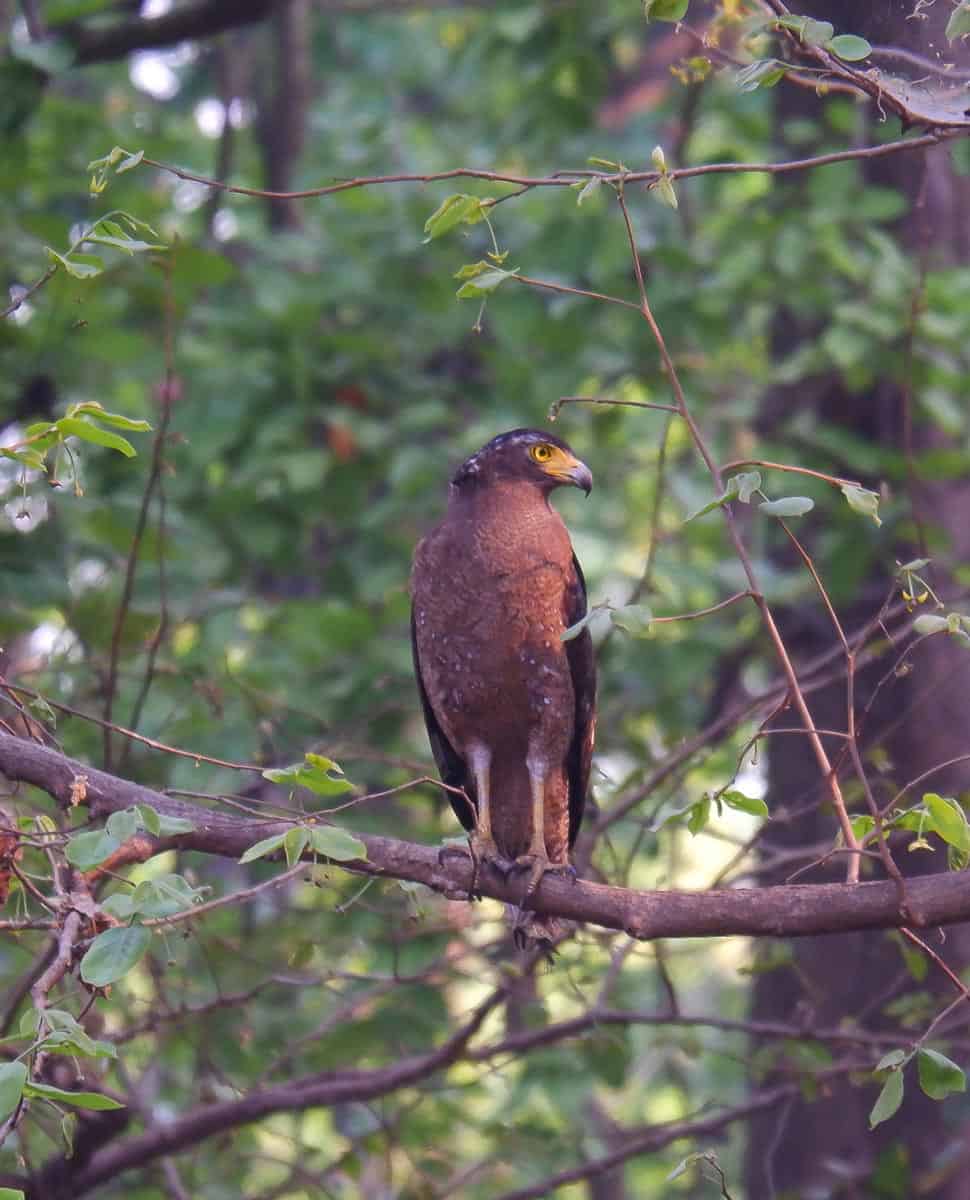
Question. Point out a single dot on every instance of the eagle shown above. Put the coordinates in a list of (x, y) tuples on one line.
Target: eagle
[(510, 707)]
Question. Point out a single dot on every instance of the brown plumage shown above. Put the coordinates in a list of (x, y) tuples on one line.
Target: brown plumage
[(509, 706)]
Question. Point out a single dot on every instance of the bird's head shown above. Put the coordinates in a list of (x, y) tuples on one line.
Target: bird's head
[(526, 455)]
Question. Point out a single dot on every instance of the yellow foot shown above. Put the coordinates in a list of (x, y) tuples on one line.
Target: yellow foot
[(480, 849)]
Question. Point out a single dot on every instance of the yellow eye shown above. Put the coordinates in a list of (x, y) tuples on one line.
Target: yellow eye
[(541, 453)]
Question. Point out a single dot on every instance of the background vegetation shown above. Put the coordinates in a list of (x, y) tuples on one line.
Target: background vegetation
[(296, 378)]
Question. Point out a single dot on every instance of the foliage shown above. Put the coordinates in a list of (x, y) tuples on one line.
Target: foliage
[(234, 585)]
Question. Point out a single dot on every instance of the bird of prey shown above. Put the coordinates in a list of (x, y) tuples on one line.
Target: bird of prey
[(509, 706)]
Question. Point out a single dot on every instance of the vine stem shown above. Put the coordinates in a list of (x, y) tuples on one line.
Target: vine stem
[(791, 678)]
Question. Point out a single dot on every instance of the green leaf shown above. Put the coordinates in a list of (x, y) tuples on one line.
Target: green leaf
[(333, 842), (888, 1100), (752, 805), (130, 162), (93, 409), (938, 1076), (915, 564), (787, 506), (294, 843), (149, 819), (665, 10), (665, 190), (861, 500), (632, 618), (164, 896), (261, 849), (958, 25), (69, 1122), (109, 160), (13, 1076), (119, 905), (127, 245), (763, 72), (89, 432), (927, 623), (92, 1100), (173, 826), (484, 283), (122, 825), (815, 33), (588, 189), (77, 1041), (86, 850), (949, 821), (849, 47), (729, 493), (746, 484), (316, 774), (470, 270), (458, 209), (78, 268), (113, 954), (28, 457), (894, 1058), (699, 815), (862, 824), (11, 1194)]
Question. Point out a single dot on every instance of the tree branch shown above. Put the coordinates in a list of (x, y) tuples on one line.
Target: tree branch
[(788, 911), (326, 1088), (179, 25)]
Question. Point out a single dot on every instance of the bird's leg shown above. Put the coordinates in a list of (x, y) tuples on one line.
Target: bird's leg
[(536, 859), (481, 842)]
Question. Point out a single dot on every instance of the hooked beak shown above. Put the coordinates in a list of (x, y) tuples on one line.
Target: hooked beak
[(574, 471)]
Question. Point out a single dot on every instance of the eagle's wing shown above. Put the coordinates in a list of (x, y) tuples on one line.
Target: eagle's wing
[(451, 766), (582, 667)]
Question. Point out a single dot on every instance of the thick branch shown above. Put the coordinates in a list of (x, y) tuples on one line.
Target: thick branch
[(775, 912), (179, 25)]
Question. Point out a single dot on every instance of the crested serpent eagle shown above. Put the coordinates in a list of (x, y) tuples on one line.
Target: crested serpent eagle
[(509, 705)]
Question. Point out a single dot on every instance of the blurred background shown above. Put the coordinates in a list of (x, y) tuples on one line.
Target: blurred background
[(315, 380)]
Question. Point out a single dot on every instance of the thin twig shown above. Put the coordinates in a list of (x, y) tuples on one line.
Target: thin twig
[(744, 558)]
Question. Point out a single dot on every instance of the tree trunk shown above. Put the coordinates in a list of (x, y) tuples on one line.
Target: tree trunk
[(919, 720)]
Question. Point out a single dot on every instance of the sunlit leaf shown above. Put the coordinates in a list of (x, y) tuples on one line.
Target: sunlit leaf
[(753, 805), (484, 283), (787, 506), (261, 849), (91, 1100), (927, 623), (849, 47), (89, 432), (333, 842), (948, 820), (458, 209), (862, 501), (317, 773)]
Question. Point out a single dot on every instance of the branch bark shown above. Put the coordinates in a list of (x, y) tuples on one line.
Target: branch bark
[(788, 911)]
